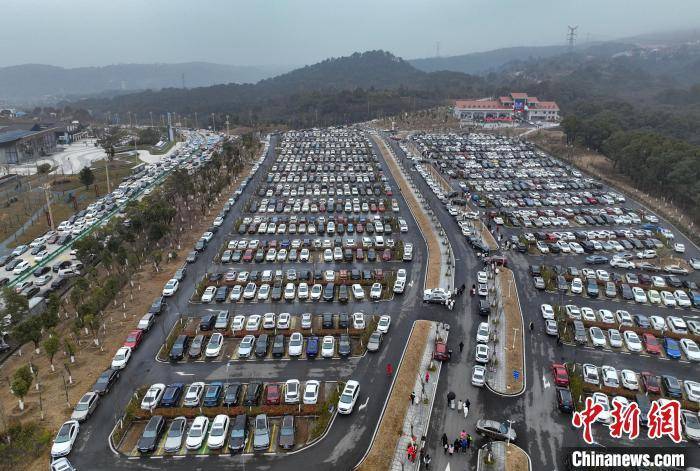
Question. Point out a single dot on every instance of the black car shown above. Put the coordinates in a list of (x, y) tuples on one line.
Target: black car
[(562, 285), (212, 394), (200, 245), (196, 346), (484, 307), (286, 436), (596, 259), (42, 270), (626, 292), (158, 306), (207, 322), (343, 320), (564, 400), (238, 433), (278, 346), (180, 274), (344, 348), (329, 292), (151, 434), (261, 346), (327, 322), (276, 293), (672, 386), (641, 320), (252, 393), (57, 284), (171, 395), (105, 381), (592, 288), (233, 391), (177, 352), (220, 295), (192, 257), (343, 294), (31, 291)]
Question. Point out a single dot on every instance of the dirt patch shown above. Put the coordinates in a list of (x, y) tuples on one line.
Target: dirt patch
[(91, 360), (432, 276), (391, 426), (513, 343), (516, 459), (131, 437), (598, 165)]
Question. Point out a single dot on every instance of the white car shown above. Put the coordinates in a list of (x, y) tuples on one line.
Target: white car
[(482, 333), (65, 438), (292, 390), (348, 397), (245, 348), (236, 293), (590, 374), (384, 323), (610, 377), (20, 267), (218, 221), (654, 296), (238, 323), (482, 353), (677, 325), (358, 292), (152, 397), (306, 320), (401, 274), (658, 281), (691, 350), (597, 337), (197, 432), (588, 314), (284, 320), (547, 311), (482, 277), (678, 247), (632, 341), (316, 291), (296, 344), (614, 338), (376, 291), (193, 395), (121, 358), (269, 320), (621, 263), (208, 295), (658, 323), (328, 346), (623, 317), (303, 291), (290, 292), (681, 298), (639, 295), (263, 292), (171, 287), (551, 327), (216, 341), (629, 380), (602, 275), (218, 432), (576, 286), (250, 290), (358, 320), (478, 375), (605, 415), (692, 390), (311, 390), (253, 323), (605, 315), (667, 299)]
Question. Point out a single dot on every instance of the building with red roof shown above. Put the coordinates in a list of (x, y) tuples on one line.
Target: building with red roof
[(515, 106)]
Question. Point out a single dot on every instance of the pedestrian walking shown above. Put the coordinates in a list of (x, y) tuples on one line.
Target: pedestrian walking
[(532, 326), (465, 409), (389, 369), (469, 440), (413, 397), (451, 449), (463, 445), (427, 460), (457, 445), (427, 376), (461, 347), (444, 441), (463, 434), (451, 400), (459, 405)]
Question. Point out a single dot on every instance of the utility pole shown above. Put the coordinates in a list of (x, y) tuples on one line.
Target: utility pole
[(109, 186), (48, 205), (213, 122), (151, 113), (196, 126), (227, 132)]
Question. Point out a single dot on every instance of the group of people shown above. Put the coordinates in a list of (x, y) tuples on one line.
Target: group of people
[(461, 443), (411, 453)]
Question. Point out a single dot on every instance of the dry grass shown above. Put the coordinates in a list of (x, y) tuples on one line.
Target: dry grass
[(391, 426), (513, 343), (516, 459), (90, 360), (432, 276)]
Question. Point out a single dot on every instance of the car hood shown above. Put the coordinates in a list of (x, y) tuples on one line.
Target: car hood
[(172, 443), (58, 449), (260, 440), (286, 441), (79, 415), (145, 443), (236, 443)]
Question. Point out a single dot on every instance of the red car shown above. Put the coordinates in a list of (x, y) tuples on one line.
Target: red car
[(134, 338), (360, 229), (651, 343), (359, 254), (272, 394), (381, 207), (248, 256), (651, 382), (386, 255), (561, 377)]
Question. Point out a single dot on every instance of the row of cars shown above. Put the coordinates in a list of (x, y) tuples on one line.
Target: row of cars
[(290, 292)]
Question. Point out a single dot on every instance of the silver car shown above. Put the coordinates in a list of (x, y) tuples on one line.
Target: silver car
[(85, 406), (375, 340), (261, 433), (176, 432)]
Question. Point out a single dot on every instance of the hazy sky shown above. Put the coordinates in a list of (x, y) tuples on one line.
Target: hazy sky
[(293, 32)]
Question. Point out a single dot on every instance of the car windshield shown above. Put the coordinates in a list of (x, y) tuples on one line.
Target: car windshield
[(63, 434), (238, 432), (346, 398), (691, 421), (175, 430), (150, 431), (287, 431), (119, 356), (103, 379), (81, 406), (503, 428), (196, 432), (216, 430)]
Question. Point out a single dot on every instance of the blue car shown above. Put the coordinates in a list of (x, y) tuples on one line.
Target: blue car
[(172, 394), (672, 348), (212, 394), (312, 347)]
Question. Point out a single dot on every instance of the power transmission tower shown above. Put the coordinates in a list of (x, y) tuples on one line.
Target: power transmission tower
[(46, 189), (571, 36), (183, 80), (437, 49)]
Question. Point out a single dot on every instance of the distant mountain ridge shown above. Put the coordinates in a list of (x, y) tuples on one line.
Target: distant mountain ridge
[(38, 83)]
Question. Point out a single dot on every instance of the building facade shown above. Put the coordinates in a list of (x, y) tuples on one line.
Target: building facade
[(18, 146), (506, 109)]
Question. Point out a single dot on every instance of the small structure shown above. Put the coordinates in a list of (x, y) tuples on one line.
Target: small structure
[(506, 109)]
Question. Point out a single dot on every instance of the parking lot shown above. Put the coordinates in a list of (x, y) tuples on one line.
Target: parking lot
[(606, 283)]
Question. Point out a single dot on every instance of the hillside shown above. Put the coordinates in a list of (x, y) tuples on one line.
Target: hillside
[(38, 84)]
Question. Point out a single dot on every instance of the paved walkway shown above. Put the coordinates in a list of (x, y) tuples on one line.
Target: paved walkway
[(502, 454), (417, 417)]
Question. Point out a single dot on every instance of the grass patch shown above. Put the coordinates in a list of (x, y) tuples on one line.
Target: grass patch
[(176, 330), (324, 419), (21, 441)]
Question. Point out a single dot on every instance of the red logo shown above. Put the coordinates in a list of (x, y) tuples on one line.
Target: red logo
[(665, 420), (625, 419), (586, 417)]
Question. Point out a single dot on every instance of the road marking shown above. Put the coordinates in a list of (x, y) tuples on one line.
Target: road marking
[(545, 383), (362, 406)]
